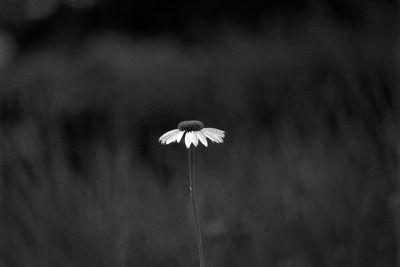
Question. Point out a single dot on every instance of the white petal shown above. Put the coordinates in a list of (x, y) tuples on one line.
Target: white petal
[(209, 135), (188, 139), (179, 136), (195, 138), (215, 131), (202, 138), (171, 138), (214, 135), (219, 137), (167, 135)]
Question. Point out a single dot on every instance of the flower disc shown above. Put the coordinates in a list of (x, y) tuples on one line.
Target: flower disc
[(189, 126)]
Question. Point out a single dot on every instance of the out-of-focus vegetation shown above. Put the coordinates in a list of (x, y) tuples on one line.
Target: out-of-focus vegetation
[(307, 175)]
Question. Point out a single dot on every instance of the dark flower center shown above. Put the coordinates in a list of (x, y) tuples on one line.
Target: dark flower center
[(189, 126)]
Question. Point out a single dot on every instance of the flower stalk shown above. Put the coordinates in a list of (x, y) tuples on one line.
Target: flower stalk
[(193, 132), (194, 206)]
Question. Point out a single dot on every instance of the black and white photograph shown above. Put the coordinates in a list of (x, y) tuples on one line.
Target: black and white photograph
[(214, 133)]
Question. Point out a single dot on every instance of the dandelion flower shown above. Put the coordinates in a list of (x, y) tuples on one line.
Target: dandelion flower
[(194, 132)]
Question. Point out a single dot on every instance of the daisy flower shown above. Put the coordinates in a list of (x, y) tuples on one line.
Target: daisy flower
[(193, 131)]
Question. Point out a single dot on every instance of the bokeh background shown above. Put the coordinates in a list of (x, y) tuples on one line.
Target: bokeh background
[(306, 90)]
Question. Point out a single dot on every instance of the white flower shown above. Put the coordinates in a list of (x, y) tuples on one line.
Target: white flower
[(193, 131)]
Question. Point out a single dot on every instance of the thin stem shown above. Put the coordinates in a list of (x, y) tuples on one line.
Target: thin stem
[(196, 216)]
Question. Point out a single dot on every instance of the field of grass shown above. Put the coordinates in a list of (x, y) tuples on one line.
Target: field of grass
[(307, 175)]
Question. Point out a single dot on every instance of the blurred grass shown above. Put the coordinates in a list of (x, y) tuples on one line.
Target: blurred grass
[(304, 178)]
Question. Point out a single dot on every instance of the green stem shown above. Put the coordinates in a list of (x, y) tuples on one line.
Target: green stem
[(194, 205)]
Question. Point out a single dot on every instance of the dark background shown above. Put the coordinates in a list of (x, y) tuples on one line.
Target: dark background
[(307, 92)]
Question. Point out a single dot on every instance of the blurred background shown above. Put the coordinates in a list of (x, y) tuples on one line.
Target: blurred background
[(306, 90)]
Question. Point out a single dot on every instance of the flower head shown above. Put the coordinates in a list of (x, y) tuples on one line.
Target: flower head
[(194, 132)]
